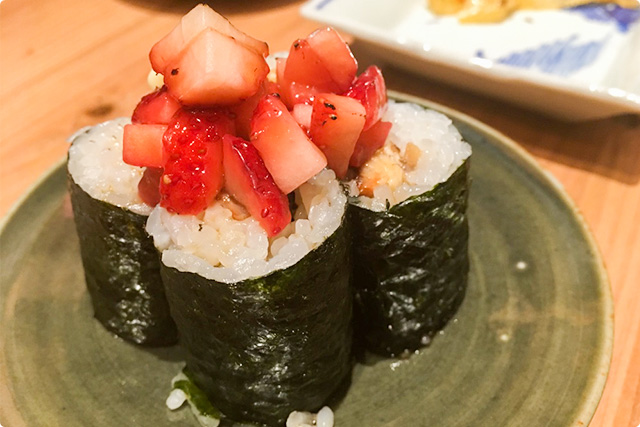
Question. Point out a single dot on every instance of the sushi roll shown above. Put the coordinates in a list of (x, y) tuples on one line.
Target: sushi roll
[(266, 322), (407, 173), (120, 263), (258, 281), (408, 216)]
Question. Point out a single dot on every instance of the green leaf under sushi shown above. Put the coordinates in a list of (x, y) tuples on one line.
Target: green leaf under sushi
[(264, 347), (122, 271), (410, 266)]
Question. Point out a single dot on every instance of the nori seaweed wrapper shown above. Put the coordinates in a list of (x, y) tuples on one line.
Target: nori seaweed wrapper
[(263, 347), (410, 266), (122, 271)]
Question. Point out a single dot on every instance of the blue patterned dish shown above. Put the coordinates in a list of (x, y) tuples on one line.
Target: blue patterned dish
[(578, 63)]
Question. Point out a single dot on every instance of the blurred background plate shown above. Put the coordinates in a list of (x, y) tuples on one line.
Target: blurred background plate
[(575, 64)]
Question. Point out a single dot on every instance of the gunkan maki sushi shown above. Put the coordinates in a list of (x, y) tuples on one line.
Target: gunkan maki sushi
[(120, 263), (408, 216)]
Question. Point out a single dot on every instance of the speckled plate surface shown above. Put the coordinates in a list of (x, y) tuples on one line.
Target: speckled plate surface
[(530, 345)]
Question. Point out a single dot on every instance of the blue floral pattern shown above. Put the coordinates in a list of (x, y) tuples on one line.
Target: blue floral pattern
[(622, 17), (562, 57)]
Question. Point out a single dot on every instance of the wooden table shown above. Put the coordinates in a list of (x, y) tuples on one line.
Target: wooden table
[(70, 63)]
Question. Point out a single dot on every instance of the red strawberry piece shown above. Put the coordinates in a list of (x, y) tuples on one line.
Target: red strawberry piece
[(369, 142), (149, 186), (288, 153), (336, 123), (155, 108), (142, 145), (305, 66), (193, 172), (293, 92), (370, 89), (248, 181)]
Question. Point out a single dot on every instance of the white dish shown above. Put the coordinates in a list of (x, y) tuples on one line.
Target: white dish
[(576, 64)]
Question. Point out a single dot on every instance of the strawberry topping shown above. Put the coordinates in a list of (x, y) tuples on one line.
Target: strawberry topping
[(248, 181), (191, 134), (193, 170), (155, 108), (149, 186)]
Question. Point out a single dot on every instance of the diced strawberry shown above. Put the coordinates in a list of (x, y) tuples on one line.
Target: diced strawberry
[(306, 66), (244, 110), (156, 108), (336, 56), (320, 63), (193, 169), (248, 180), (302, 114), (199, 18), (336, 123), (142, 145), (289, 155), (369, 142), (271, 87), (369, 88), (215, 69), (293, 92), (149, 186)]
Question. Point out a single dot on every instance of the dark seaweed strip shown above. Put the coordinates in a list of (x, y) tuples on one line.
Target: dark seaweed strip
[(122, 271), (264, 347), (410, 266)]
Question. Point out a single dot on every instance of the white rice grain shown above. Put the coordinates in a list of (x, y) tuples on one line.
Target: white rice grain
[(324, 418)]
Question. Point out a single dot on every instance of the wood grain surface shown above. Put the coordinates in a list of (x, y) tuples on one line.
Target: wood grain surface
[(65, 64)]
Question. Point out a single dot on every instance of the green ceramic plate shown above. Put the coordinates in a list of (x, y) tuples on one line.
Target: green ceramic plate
[(530, 345)]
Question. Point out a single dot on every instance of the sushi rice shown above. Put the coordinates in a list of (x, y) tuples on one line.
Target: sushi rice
[(219, 247), (95, 163)]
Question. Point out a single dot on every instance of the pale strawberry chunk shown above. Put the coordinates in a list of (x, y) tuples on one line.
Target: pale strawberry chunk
[(302, 114), (194, 22), (248, 181), (336, 56), (289, 155), (215, 69), (244, 110), (142, 145), (336, 124)]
